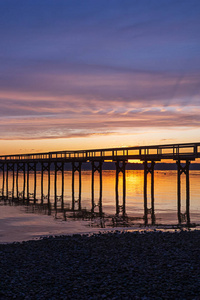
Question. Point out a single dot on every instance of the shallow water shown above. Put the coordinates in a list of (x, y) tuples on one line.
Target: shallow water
[(31, 222)]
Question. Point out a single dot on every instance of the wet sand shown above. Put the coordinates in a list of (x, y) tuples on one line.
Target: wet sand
[(18, 226)]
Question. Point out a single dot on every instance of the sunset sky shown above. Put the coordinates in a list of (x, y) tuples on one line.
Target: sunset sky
[(89, 74)]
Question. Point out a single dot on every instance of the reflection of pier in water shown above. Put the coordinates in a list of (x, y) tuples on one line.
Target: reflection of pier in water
[(181, 153)]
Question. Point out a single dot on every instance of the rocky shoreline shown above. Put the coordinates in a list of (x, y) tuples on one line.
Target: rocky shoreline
[(131, 265)]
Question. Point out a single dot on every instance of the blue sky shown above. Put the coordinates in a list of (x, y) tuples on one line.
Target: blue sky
[(87, 72)]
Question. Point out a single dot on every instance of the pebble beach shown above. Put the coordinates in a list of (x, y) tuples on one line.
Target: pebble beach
[(117, 265)]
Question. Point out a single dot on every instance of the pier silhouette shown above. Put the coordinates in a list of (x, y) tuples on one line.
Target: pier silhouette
[(182, 154)]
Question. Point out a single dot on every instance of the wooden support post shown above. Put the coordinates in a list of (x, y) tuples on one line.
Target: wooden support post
[(74, 169), (24, 183), (55, 186), (187, 192), (73, 200), (42, 178), (152, 193), (35, 182), (116, 187), (184, 170), (118, 170), (49, 183), (100, 189), (124, 188), (3, 183), (17, 181), (179, 191), (13, 183), (79, 198), (62, 204), (145, 193), (97, 168), (7, 181), (28, 182), (93, 186)]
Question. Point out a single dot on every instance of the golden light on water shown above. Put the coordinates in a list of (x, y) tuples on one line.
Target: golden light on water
[(165, 189), (136, 161)]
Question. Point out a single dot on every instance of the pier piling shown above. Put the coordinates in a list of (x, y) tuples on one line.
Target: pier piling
[(11, 165), (121, 169), (149, 169), (183, 169), (74, 169), (97, 167)]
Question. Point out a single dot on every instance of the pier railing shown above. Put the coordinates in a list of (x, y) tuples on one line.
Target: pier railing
[(12, 165), (155, 152)]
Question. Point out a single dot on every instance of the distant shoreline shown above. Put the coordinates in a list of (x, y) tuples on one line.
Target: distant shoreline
[(158, 166), (86, 166)]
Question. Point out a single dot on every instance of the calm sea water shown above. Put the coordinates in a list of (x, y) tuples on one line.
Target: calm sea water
[(165, 193)]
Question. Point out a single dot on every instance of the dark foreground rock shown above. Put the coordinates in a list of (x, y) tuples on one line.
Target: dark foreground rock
[(153, 265)]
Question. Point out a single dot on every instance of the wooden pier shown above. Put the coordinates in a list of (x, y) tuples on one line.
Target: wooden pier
[(182, 154)]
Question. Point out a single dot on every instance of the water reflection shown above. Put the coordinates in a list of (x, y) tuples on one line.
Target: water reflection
[(95, 199)]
